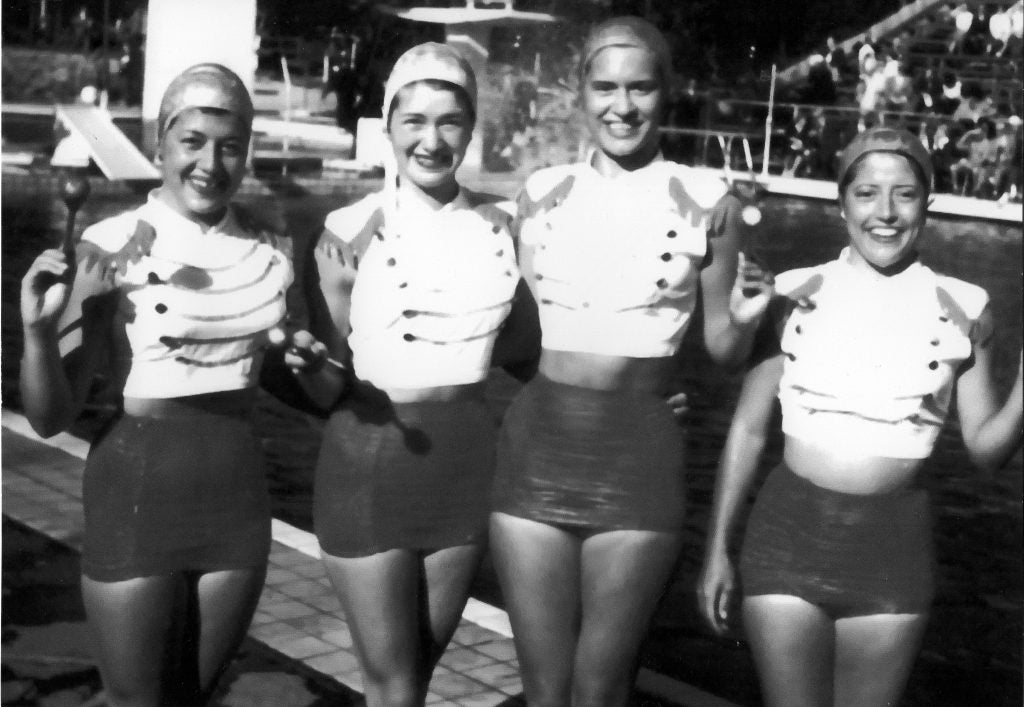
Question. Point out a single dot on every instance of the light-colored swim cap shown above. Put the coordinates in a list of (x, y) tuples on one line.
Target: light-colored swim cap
[(628, 31), (205, 86), (882, 139), (426, 61)]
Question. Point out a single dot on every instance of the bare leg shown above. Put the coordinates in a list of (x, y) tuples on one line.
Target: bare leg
[(131, 621), (874, 657), (226, 602), (539, 570), (448, 573), (793, 644), (624, 574)]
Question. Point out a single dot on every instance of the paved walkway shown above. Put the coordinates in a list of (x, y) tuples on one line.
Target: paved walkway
[(299, 615)]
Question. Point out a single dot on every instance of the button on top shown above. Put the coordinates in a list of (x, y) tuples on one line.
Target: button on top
[(662, 283), (391, 262), (666, 257), (161, 308), (671, 234), (933, 365)]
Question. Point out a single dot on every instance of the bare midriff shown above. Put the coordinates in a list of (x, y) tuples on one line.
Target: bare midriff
[(226, 402), (849, 472), (604, 372), (436, 394)]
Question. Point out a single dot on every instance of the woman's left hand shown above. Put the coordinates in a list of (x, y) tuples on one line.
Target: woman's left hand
[(752, 290), (305, 354)]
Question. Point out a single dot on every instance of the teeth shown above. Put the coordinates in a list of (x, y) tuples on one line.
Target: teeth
[(884, 232)]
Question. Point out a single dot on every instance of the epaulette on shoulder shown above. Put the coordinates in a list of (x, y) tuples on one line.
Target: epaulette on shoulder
[(799, 286), (360, 223), (92, 257), (961, 303), (545, 190), (705, 190)]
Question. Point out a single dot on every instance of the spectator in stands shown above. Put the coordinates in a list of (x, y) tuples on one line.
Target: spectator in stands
[(820, 88), (974, 105), (1008, 172), (951, 95), (976, 171)]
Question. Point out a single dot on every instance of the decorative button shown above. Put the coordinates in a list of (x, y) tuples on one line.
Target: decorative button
[(934, 342), (409, 313), (933, 365), (391, 262), (409, 337), (798, 329), (586, 305), (671, 234), (538, 276), (161, 308), (545, 301), (403, 285), (378, 235), (666, 257), (943, 318), (662, 283), (500, 253), (496, 229), (791, 357), (154, 279)]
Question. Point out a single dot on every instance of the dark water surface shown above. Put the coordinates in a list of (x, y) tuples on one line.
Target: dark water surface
[(972, 651)]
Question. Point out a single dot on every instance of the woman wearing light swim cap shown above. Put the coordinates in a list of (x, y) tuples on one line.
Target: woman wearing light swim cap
[(173, 301), (590, 492), (865, 357), (417, 281)]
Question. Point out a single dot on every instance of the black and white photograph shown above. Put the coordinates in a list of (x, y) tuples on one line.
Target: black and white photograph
[(512, 353)]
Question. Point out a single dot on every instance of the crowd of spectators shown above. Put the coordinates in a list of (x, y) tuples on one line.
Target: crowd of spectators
[(952, 76)]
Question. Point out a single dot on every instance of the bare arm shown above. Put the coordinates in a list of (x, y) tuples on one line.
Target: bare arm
[(738, 466), (992, 433), (730, 316), (65, 329), (330, 291)]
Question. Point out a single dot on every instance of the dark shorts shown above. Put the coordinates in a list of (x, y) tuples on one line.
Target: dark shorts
[(187, 493), (409, 475), (852, 555), (591, 460)]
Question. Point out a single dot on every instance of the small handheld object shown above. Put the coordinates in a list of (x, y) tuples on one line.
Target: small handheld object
[(279, 337), (74, 190)]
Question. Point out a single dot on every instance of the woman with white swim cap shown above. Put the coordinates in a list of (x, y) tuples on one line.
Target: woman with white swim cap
[(173, 301), (589, 492), (416, 280), (867, 352)]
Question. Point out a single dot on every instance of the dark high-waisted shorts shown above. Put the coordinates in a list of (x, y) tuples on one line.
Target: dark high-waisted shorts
[(851, 554), (183, 492), (406, 475), (591, 460)]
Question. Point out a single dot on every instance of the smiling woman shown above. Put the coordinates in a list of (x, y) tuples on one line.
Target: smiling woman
[(172, 301), (589, 497), (416, 281), (864, 358)]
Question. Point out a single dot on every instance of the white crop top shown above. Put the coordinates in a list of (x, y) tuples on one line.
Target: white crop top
[(617, 261), (195, 307), (870, 363), (431, 292)]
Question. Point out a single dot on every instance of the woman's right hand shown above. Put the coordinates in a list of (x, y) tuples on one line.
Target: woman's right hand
[(304, 353), (715, 591), (45, 289)]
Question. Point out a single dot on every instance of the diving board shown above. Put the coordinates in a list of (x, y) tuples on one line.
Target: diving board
[(112, 151)]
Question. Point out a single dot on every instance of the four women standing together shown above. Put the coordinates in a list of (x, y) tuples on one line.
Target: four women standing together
[(417, 291)]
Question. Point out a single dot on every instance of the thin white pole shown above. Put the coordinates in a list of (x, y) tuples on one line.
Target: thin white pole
[(768, 123)]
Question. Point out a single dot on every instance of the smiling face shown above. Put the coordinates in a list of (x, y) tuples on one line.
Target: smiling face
[(430, 128), (622, 98), (202, 160), (884, 206)]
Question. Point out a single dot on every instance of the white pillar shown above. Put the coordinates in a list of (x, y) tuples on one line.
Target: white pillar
[(181, 33)]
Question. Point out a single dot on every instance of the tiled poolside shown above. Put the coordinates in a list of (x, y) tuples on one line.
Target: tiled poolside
[(298, 616)]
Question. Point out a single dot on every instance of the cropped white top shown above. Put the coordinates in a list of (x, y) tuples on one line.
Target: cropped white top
[(617, 260), (431, 292), (195, 307), (870, 362)]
